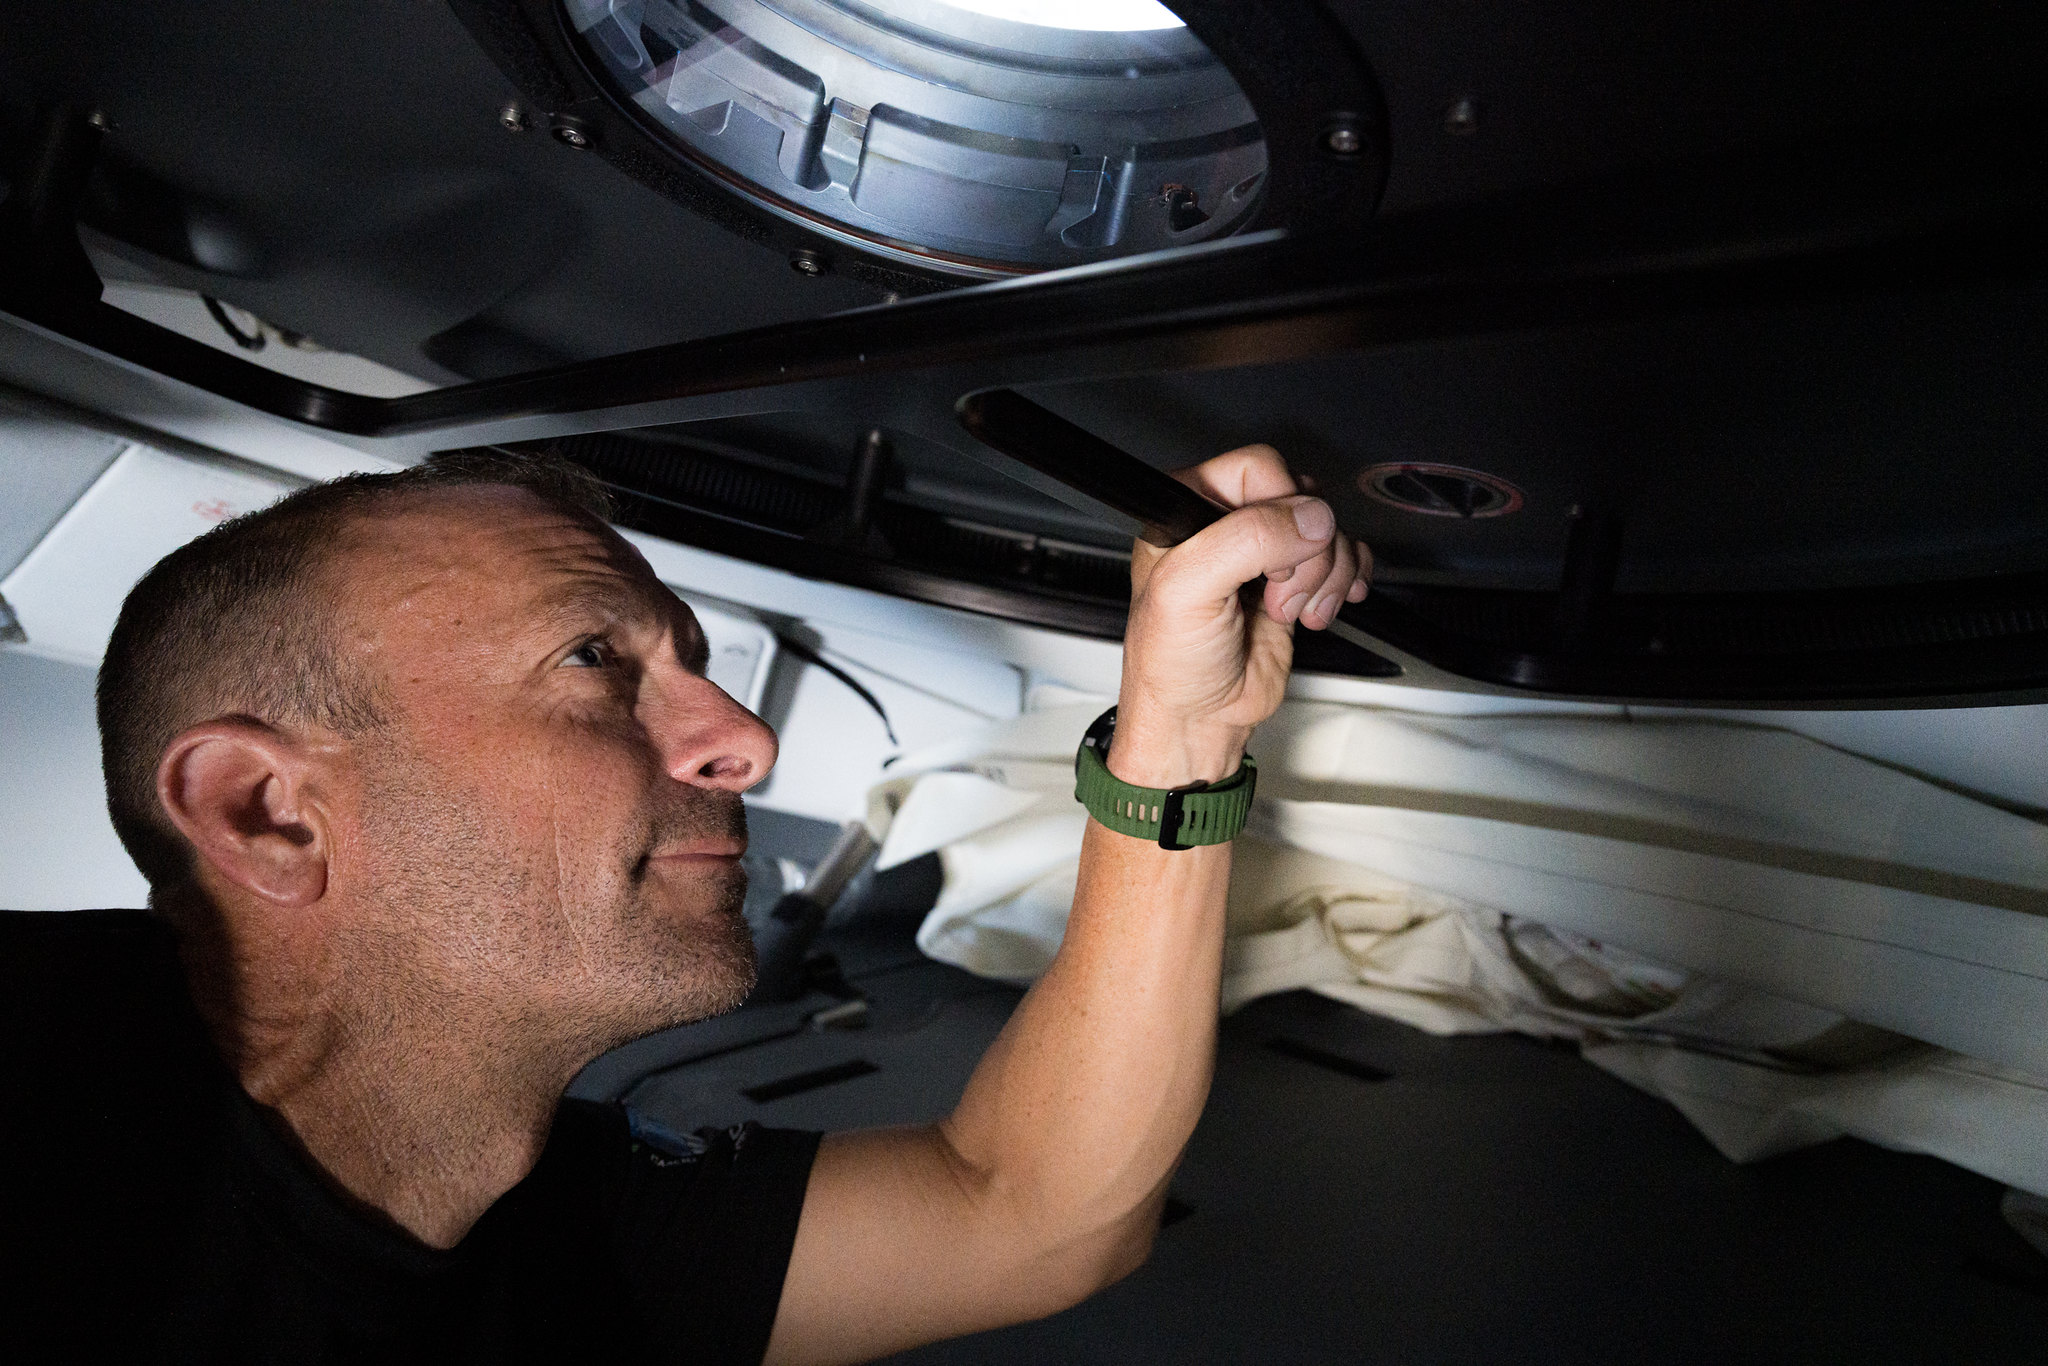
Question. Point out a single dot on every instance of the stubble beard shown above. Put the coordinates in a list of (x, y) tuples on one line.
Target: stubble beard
[(580, 964), (696, 964)]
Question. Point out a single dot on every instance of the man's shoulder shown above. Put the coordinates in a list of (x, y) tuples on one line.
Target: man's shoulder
[(699, 1222), (673, 1193)]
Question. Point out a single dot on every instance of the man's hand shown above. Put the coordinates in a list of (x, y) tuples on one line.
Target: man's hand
[(1046, 1182), (1211, 631)]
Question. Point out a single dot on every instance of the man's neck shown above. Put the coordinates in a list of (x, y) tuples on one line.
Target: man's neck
[(422, 1122)]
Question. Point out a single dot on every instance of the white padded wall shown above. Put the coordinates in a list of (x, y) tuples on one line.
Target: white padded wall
[(57, 847)]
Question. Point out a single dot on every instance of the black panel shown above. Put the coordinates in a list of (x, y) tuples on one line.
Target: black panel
[(356, 151), (1881, 440), (1756, 289)]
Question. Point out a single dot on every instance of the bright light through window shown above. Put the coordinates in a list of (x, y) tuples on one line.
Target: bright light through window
[(1092, 16), (971, 137)]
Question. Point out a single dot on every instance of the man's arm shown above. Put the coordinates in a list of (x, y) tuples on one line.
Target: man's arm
[(1046, 1183)]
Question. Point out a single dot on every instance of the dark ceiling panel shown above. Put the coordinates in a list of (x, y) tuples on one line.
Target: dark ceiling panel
[(359, 145), (1882, 440), (344, 172), (1565, 90)]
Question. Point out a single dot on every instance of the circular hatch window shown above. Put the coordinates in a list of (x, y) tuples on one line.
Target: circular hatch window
[(985, 137)]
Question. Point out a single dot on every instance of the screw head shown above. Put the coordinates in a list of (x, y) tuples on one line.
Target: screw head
[(1342, 137), (804, 261), (98, 119), (512, 118), (1461, 120), (570, 136)]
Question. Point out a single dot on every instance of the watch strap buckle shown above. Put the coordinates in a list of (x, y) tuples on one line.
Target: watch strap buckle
[(1172, 811)]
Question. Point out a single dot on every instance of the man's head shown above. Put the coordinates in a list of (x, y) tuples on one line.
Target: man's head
[(443, 727)]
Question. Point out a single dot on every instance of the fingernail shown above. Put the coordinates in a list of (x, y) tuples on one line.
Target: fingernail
[(1355, 593), (1291, 609), (1325, 608), (1315, 521)]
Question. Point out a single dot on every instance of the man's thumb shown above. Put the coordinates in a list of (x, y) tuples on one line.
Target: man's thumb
[(1264, 540)]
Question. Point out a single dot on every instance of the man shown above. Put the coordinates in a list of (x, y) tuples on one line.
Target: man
[(436, 805)]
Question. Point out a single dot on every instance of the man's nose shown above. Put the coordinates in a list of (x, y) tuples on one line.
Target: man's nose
[(705, 737)]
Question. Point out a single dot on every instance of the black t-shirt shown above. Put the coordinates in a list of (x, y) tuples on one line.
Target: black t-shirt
[(150, 1212)]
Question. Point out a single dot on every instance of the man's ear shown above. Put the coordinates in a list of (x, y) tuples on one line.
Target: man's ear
[(244, 795)]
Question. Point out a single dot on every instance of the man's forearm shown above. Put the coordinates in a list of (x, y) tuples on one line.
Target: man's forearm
[(1077, 1116), (1045, 1181)]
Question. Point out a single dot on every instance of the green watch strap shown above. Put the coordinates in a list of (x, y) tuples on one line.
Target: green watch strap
[(1176, 818)]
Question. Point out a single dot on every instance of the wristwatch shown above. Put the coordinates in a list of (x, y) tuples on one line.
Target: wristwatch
[(1178, 817)]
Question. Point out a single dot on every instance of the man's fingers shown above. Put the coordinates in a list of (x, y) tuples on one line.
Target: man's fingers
[(1363, 583), (1327, 596), (1286, 540), (1249, 474), (1317, 587), (1292, 595)]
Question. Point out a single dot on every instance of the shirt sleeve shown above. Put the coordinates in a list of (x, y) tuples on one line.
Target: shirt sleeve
[(703, 1224)]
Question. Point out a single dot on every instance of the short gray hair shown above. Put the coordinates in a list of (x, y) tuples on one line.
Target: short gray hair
[(241, 622)]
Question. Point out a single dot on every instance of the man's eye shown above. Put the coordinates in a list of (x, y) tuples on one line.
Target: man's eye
[(591, 654)]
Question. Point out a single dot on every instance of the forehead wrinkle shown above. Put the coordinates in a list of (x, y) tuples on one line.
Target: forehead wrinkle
[(581, 567), (414, 553), (520, 562), (585, 598), (604, 579), (521, 574), (605, 602)]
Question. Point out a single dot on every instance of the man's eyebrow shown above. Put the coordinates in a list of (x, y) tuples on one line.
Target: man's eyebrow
[(583, 600)]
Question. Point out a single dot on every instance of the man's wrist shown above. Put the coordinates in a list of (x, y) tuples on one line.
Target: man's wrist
[(1153, 751)]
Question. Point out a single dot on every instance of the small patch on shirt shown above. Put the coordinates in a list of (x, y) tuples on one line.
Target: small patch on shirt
[(663, 1146), (669, 1147)]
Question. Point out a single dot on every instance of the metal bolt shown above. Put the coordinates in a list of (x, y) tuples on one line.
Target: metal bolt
[(98, 119), (1342, 138), (512, 118), (1461, 120), (804, 261), (569, 135)]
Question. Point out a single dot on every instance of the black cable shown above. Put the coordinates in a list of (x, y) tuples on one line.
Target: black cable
[(810, 656), (248, 341)]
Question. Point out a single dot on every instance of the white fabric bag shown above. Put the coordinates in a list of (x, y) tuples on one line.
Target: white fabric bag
[(1721, 912)]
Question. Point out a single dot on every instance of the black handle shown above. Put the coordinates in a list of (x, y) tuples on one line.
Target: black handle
[(1011, 423), (1169, 511)]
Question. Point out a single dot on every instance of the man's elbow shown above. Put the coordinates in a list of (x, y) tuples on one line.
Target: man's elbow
[(1049, 1255), (1092, 1264), (1136, 1234)]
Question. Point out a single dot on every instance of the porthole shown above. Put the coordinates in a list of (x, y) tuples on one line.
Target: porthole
[(980, 138)]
